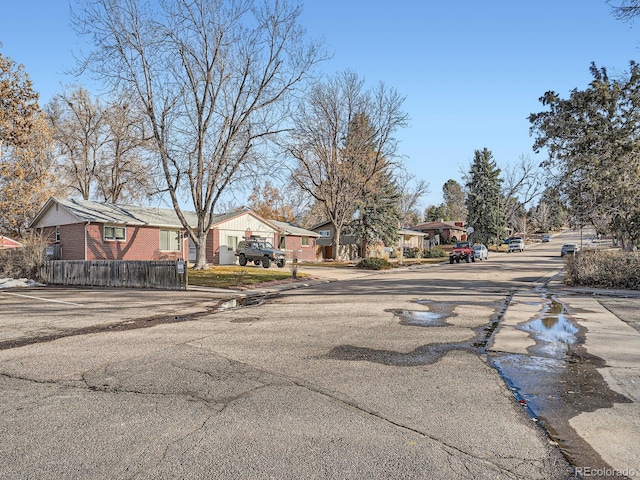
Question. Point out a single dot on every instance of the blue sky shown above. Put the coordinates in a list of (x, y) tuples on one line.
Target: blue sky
[(471, 71)]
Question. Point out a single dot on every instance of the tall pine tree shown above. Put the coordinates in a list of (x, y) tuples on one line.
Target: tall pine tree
[(379, 215), (485, 205)]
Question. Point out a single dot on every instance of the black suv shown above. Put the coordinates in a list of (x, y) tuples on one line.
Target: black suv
[(259, 251)]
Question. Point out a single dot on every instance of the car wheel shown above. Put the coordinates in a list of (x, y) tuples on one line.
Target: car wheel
[(281, 263), (457, 259), (451, 260), (256, 262), (473, 258), (242, 260), (266, 262)]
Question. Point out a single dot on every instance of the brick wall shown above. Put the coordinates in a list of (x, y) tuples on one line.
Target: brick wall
[(72, 241), (141, 243), (295, 249)]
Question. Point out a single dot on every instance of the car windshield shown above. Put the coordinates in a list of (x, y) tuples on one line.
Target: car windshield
[(462, 244), (477, 247)]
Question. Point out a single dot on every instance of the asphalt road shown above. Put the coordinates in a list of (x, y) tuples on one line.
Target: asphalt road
[(386, 375)]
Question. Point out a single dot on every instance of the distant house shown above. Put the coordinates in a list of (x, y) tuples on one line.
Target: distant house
[(86, 230), (6, 243), (442, 232), (349, 247), (410, 238), (298, 242)]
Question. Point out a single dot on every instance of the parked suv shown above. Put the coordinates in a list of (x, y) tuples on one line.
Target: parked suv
[(516, 245), (259, 251)]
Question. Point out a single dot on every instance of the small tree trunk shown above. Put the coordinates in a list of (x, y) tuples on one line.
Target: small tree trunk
[(336, 242), (201, 251)]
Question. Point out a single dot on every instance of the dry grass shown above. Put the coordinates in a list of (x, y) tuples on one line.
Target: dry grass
[(234, 276), (604, 268)]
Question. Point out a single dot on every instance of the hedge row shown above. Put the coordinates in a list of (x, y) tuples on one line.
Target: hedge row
[(607, 269)]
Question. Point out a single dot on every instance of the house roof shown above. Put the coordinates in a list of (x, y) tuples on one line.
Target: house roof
[(290, 229), (410, 232), (96, 212), (441, 225), (6, 242)]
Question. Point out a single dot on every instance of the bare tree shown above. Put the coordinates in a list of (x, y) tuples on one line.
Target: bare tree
[(341, 139), (522, 183), (626, 10), (543, 216), (412, 191), (127, 170), (101, 147), (213, 77), (79, 133)]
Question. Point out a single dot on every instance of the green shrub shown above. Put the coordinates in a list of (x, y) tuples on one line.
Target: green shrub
[(608, 269), (435, 252), (414, 252), (373, 264)]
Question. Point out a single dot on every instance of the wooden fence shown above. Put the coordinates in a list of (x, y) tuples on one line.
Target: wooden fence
[(162, 274)]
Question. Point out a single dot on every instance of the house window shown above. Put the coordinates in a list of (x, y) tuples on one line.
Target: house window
[(170, 240), (325, 233), (232, 243), (282, 243), (115, 233), (57, 232), (305, 241)]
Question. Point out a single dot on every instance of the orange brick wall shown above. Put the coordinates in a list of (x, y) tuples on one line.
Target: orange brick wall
[(142, 243), (295, 249)]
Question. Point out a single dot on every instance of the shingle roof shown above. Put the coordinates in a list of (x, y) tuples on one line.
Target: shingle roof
[(407, 231), (290, 229), (89, 211), (431, 225)]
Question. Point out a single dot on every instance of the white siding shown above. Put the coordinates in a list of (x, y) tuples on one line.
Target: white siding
[(237, 227), (248, 222), (56, 215)]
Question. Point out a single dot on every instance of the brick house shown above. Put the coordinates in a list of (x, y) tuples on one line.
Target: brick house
[(86, 230), (298, 242), (442, 232)]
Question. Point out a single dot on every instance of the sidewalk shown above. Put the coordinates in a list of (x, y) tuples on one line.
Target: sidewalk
[(608, 410)]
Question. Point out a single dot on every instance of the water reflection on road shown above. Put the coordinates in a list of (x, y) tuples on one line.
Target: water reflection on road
[(558, 379)]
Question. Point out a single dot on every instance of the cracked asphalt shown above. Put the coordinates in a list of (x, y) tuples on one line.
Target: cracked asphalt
[(342, 379)]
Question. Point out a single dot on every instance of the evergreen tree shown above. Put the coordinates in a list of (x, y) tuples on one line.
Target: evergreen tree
[(593, 142), (379, 214), (485, 204)]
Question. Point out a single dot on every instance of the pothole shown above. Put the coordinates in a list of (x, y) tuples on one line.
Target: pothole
[(240, 302)]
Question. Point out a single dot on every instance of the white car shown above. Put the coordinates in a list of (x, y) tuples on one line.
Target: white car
[(480, 251), (516, 245)]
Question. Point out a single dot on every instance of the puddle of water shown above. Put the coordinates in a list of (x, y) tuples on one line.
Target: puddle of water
[(240, 302), (554, 335), (420, 319), (559, 379)]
